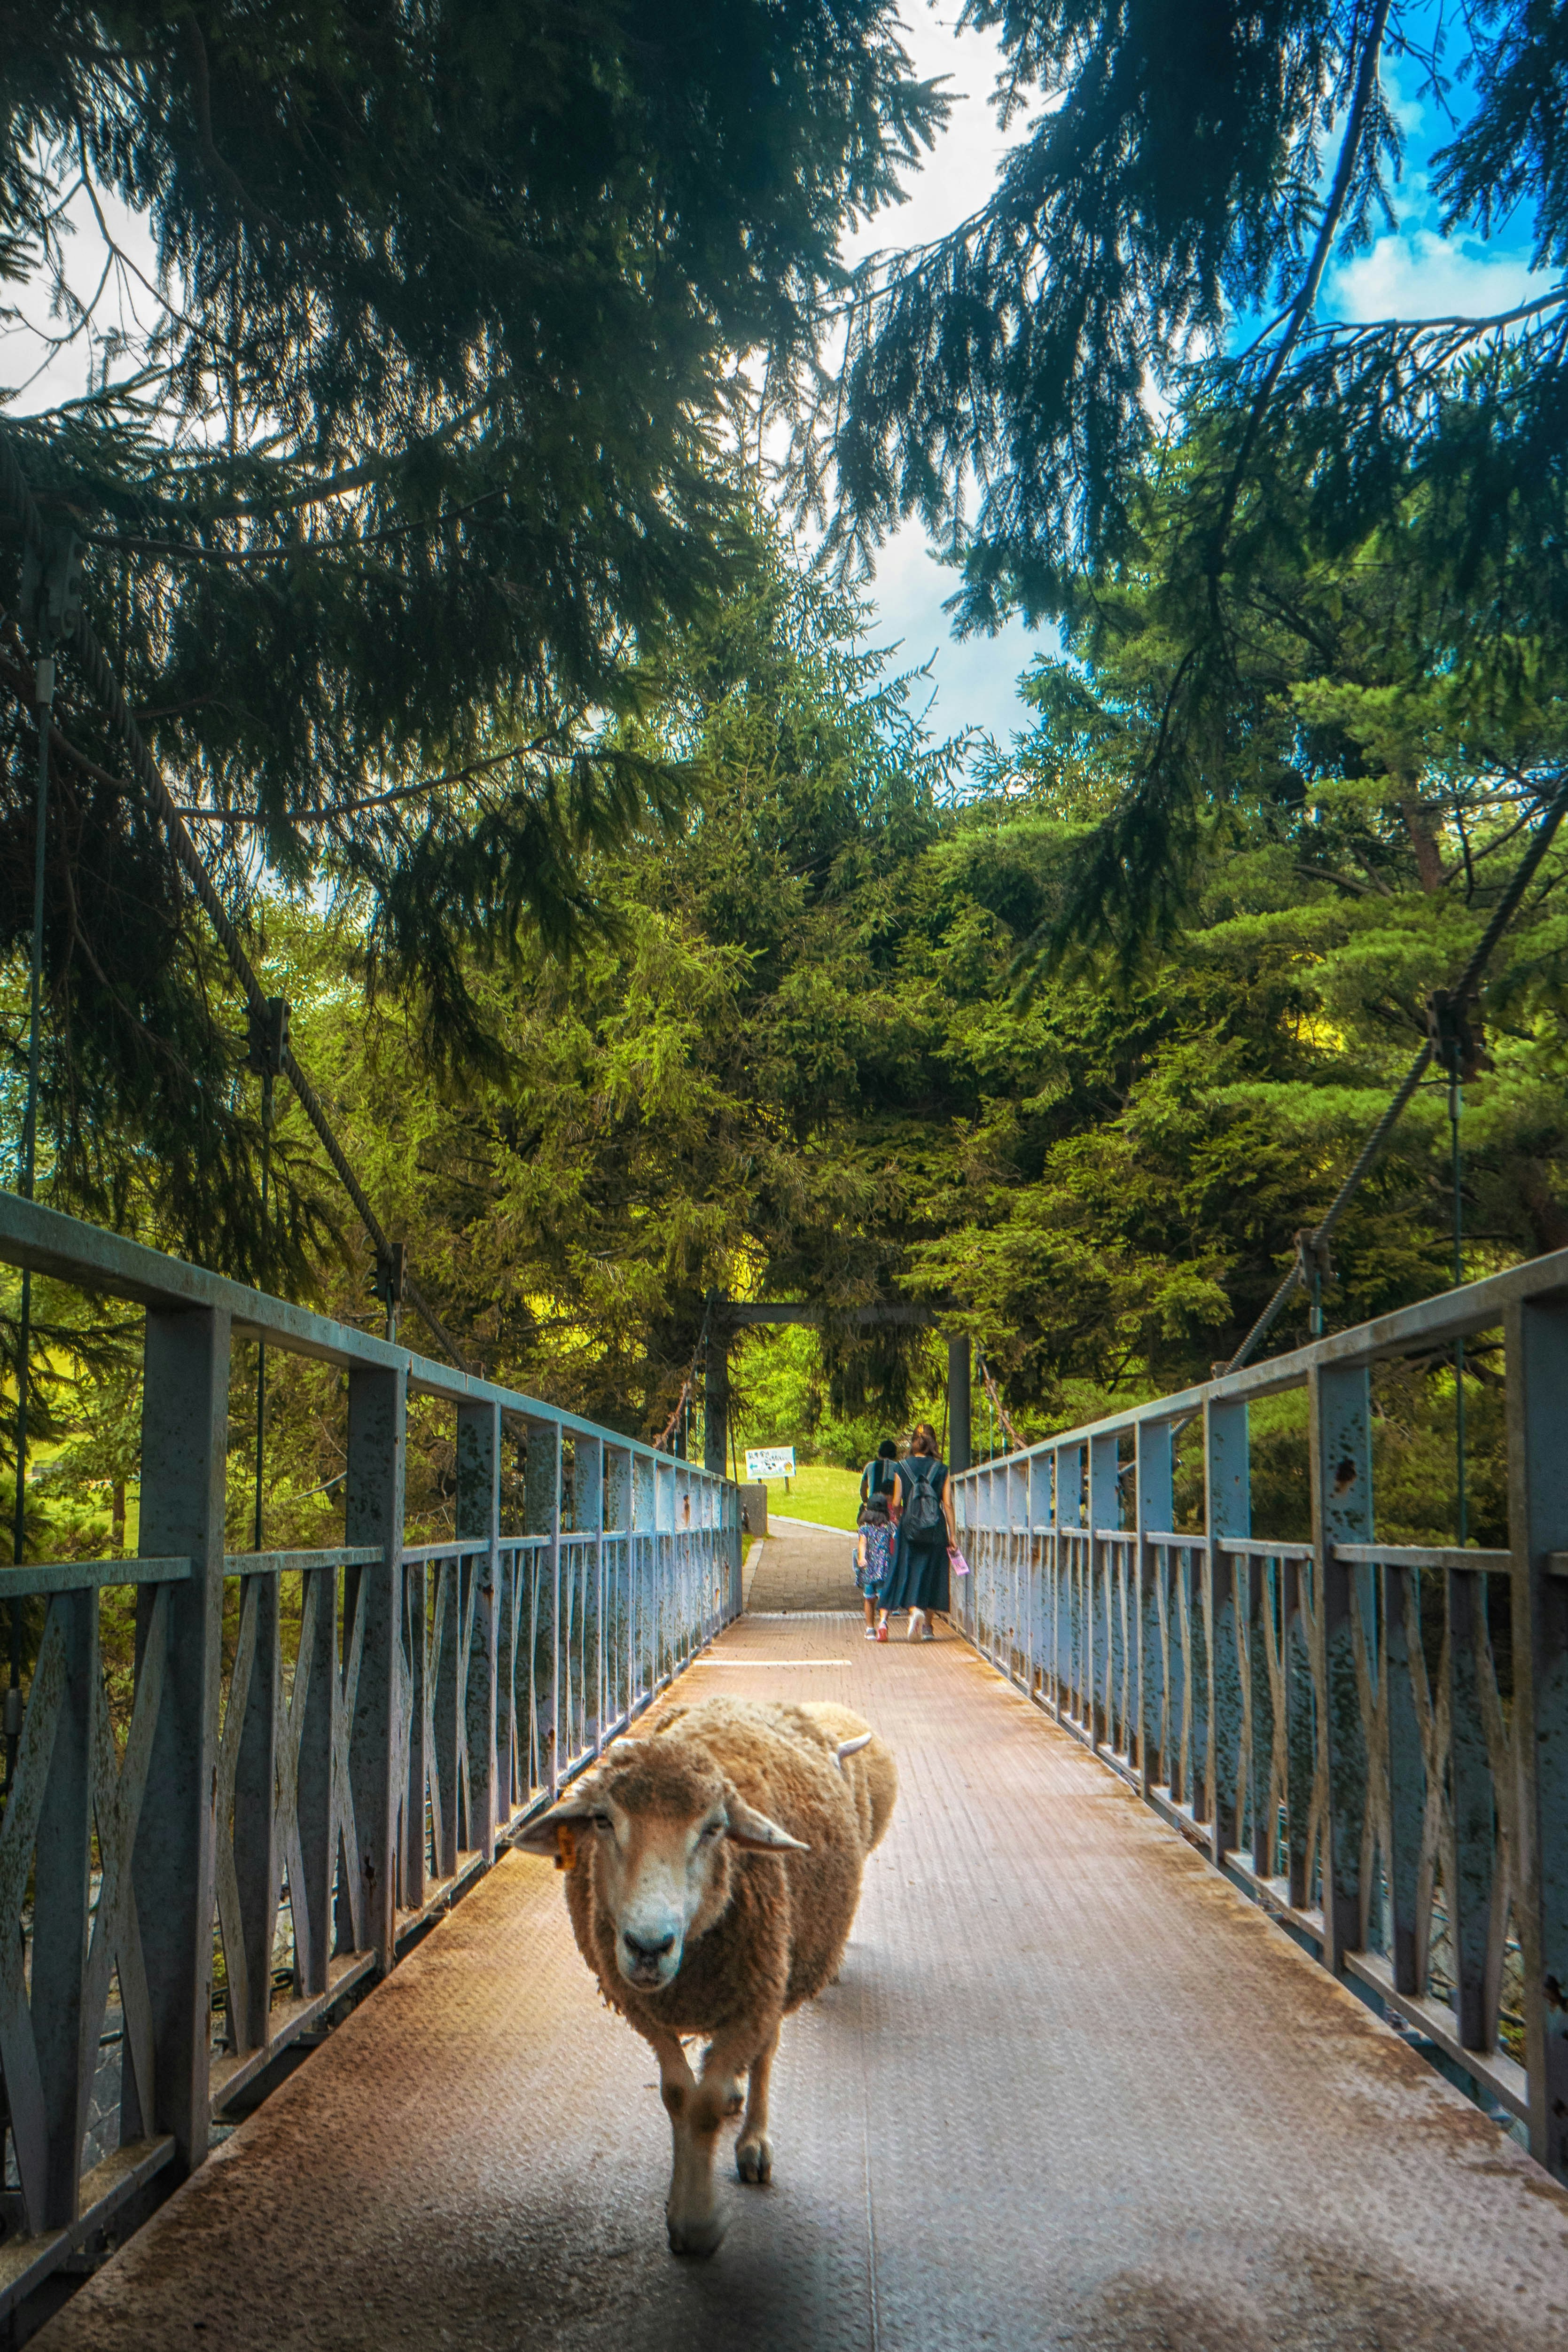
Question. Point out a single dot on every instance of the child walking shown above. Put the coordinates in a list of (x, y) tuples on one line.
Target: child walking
[(873, 1557)]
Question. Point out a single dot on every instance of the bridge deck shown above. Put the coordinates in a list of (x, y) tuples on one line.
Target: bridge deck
[(1069, 2091)]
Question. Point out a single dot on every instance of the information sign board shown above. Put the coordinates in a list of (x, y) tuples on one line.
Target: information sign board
[(770, 1462)]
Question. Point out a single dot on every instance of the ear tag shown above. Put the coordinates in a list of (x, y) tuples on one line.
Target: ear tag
[(565, 1846)]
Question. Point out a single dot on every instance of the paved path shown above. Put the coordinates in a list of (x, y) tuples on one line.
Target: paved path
[(805, 1571), (1069, 2091)]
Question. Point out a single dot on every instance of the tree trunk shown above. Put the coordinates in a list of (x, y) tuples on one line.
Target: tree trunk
[(117, 1518), (1423, 831)]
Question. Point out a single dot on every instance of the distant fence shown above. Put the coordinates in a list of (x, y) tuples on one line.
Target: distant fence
[(1371, 1741), (323, 1806)]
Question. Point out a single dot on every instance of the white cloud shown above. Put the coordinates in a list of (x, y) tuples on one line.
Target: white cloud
[(959, 175), (1411, 273), (973, 684)]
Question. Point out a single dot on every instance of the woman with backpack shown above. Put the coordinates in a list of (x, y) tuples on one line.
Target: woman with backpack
[(927, 1532)]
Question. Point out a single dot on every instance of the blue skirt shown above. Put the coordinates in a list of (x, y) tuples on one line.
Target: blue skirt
[(919, 1578)]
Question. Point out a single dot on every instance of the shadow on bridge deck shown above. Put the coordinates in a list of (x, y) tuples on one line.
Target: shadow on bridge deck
[(1071, 2090)]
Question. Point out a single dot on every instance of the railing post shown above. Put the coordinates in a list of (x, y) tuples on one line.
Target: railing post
[(1408, 1792), (1229, 1510), (664, 1571), (1340, 1410), (478, 1521), (542, 1487), (1068, 1513), (1103, 1512), (1537, 1345), (257, 1863), (184, 1433), (61, 1927), (321, 1830), (1155, 1499), (642, 1601), (414, 1583), (588, 1518), (1472, 1895), (373, 1515), (618, 1520)]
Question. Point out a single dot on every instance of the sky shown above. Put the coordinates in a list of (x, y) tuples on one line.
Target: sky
[(1410, 269)]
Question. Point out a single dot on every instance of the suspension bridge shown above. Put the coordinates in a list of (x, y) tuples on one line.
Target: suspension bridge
[(1207, 1991)]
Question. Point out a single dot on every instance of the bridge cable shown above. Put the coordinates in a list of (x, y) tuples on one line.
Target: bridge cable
[(105, 686), (687, 1383), (1447, 1005)]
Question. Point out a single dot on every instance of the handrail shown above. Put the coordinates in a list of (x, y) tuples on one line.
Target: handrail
[(1407, 1331), (52, 1244), (35, 1578)]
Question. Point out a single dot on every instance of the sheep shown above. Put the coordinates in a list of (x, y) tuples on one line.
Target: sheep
[(712, 1868)]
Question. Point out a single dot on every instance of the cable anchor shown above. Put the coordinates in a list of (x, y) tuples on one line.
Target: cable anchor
[(1453, 1023), (267, 1041), (389, 1280), (1314, 1267), (52, 585)]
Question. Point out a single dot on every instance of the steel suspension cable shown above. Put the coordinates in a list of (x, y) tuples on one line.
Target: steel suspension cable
[(1322, 1234), (105, 686)]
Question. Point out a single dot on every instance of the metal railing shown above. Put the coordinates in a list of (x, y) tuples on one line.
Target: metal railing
[(1370, 1740), (313, 1800)]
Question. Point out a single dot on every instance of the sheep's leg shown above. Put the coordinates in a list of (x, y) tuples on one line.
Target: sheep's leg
[(678, 2089), (696, 2113), (754, 2150)]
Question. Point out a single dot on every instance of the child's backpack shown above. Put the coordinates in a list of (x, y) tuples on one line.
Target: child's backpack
[(923, 1513)]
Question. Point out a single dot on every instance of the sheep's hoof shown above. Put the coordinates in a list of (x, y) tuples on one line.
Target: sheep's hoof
[(754, 2160), (698, 2236)]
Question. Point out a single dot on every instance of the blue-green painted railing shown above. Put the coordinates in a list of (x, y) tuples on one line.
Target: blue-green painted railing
[(1370, 1739), (319, 1810)]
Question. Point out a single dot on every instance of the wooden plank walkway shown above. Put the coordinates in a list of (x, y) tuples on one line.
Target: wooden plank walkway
[(1069, 2091)]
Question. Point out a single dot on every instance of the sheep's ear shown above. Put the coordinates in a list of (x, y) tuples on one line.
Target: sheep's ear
[(756, 1832), (556, 1832)]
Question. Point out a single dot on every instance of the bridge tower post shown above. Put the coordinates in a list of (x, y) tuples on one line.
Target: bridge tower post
[(715, 1392), (960, 1446)]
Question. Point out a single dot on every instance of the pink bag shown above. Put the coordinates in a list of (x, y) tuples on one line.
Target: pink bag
[(957, 1562)]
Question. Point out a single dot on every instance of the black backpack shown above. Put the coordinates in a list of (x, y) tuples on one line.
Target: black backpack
[(922, 1512)]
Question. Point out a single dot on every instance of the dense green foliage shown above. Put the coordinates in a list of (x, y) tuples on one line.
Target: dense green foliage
[(700, 969), (413, 468), (796, 1059), (1163, 226)]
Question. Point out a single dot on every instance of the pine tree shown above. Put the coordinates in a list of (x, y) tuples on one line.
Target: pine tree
[(397, 497), (1163, 228)]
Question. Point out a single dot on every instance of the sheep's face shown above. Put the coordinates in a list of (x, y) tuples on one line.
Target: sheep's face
[(660, 1877), (663, 1820)]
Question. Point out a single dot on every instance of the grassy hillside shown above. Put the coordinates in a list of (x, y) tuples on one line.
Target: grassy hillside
[(818, 1491)]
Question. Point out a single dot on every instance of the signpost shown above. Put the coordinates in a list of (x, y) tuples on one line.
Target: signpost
[(770, 1462)]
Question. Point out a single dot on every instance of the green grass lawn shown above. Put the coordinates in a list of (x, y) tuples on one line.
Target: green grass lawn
[(818, 1491)]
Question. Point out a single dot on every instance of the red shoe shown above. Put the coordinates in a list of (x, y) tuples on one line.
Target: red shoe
[(882, 1633)]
